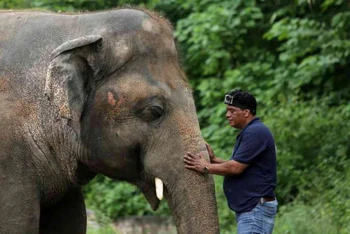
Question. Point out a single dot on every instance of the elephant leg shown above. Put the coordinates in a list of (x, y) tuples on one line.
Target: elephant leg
[(67, 216), (19, 205)]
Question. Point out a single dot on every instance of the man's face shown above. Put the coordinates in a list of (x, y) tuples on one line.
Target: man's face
[(236, 116)]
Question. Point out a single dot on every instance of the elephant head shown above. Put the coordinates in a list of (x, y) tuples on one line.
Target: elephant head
[(129, 106)]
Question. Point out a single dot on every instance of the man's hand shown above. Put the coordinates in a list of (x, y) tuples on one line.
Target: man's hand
[(210, 152), (195, 162)]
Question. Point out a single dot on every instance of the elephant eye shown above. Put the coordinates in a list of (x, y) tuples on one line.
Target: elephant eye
[(156, 112), (152, 113)]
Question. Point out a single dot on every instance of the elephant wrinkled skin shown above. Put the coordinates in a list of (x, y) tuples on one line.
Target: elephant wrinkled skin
[(83, 94)]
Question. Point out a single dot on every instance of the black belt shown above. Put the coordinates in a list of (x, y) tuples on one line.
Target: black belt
[(262, 200)]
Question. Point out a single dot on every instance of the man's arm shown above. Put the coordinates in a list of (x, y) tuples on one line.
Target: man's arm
[(198, 163), (230, 167), (213, 158), (217, 160)]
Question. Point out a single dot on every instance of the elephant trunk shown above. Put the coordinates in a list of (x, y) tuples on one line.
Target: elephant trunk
[(193, 204), (190, 194)]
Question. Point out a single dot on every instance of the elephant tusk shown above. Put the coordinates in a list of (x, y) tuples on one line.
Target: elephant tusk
[(159, 188)]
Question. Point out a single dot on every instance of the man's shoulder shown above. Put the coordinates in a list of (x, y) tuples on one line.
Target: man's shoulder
[(257, 125), (258, 129)]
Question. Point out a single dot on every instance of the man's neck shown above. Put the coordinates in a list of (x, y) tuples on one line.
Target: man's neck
[(248, 120)]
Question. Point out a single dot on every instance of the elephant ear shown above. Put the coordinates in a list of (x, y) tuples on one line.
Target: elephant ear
[(72, 66)]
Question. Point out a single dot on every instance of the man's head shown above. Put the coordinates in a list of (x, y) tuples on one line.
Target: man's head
[(241, 108)]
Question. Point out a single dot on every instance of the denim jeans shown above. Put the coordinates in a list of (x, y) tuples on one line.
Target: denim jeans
[(260, 220)]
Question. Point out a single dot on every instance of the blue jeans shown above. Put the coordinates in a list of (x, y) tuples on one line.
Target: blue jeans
[(259, 220)]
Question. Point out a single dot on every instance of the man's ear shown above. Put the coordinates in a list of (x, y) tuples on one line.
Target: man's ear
[(72, 67)]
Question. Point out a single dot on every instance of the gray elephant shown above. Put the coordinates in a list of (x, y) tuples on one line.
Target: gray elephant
[(83, 94)]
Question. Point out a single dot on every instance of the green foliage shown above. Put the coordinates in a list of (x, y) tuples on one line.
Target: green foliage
[(104, 230), (111, 200), (14, 4), (299, 218), (213, 32), (74, 5), (84, 5), (226, 216)]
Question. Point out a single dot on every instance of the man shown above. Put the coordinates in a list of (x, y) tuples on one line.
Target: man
[(250, 174)]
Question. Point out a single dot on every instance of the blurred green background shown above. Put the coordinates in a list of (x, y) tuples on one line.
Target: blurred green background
[(294, 56)]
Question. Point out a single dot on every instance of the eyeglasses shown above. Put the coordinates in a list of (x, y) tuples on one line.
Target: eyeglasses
[(228, 99)]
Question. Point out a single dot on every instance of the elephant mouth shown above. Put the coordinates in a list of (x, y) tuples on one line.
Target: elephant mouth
[(151, 186), (154, 190)]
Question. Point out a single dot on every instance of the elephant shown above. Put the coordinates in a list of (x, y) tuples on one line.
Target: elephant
[(93, 93)]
